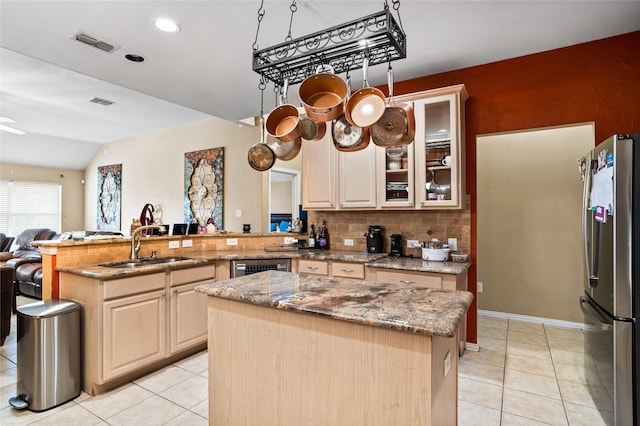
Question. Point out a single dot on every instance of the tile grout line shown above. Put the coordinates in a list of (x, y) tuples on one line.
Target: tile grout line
[(555, 375)]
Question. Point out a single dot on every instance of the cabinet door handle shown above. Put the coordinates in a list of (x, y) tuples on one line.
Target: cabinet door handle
[(175, 290), (407, 282), (348, 271), (313, 268)]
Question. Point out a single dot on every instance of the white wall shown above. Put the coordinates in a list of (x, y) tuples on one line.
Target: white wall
[(153, 172)]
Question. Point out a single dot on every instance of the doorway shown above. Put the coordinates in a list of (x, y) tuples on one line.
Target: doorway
[(529, 198), (283, 192)]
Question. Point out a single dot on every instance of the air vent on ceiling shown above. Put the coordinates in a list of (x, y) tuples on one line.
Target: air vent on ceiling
[(94, 42), (101, 101)]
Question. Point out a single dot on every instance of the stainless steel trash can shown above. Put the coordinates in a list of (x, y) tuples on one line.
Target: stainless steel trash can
[(49, 363)]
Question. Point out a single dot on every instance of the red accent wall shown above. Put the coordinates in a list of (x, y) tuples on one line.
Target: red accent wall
[(595, 82)]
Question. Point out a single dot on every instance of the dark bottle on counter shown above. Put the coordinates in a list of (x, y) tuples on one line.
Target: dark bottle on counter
[(312, 237), (323, 237)]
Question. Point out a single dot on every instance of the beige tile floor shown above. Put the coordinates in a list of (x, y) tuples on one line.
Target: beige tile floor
[(524, 374)]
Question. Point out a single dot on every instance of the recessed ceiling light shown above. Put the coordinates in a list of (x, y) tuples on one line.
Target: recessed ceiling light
[(134, 58), (166, 25)]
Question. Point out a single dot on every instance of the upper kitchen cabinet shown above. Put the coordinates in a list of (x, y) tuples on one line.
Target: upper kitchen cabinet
[(439, 148), (395, 176), (357, 178), (319, 173)]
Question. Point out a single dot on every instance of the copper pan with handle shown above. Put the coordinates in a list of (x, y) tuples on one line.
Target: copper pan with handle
[(365, 106), (322, 95), (284, 121), (397, 125), (346, 136)]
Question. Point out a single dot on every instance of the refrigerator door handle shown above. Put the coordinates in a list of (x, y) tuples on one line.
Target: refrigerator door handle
[(593, 313), (585, 220)]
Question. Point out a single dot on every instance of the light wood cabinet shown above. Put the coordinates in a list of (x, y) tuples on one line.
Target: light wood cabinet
[(357, 177), (439, 149), (426, 174), (134, 333), (188, 308), (313, 267), (424, 279), (331, 268), (131, 325), (319, 173)]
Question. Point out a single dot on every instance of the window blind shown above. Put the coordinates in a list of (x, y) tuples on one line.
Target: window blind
[(25, 205)]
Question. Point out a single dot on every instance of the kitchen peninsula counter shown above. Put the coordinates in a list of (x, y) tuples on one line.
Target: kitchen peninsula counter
[(295, 349)]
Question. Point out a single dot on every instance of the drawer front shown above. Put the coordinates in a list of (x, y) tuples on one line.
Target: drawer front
[(190, 275), (133, 285), (347, 270), (409, 279), (314, 267)]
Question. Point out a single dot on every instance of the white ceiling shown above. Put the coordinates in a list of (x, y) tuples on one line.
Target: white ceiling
[(205, 70)]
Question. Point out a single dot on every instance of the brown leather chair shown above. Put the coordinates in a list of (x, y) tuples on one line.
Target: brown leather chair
[(26, 262), (6, 301)]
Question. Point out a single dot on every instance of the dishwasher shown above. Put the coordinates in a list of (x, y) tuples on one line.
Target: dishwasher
[(243, 267)]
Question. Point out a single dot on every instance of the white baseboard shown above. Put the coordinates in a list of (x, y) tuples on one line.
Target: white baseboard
[(473, 347), (539, 320)]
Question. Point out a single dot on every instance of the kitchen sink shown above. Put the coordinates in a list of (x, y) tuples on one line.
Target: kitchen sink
[(135, 263)]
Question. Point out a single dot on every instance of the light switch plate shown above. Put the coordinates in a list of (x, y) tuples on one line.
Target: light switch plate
[(238, 212), (348, 242), (289, 240), (232, 241), (187, 243), (174, 244), (453, 244), (413, 243)]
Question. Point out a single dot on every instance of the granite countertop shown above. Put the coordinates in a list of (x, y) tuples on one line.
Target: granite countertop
[(413, 309), (418, 265), (101, 272)]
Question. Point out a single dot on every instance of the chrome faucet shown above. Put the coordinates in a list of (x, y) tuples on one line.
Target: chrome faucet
[(135, 238)]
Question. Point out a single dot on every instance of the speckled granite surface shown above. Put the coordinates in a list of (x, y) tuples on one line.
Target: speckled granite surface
[(413, 309), (106, 273), (419, 265)]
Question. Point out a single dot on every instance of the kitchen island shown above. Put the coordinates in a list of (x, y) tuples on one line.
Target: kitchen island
[(295, 349)]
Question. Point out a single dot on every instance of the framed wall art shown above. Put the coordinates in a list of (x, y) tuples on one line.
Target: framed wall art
[(203, 186), (109, 202)]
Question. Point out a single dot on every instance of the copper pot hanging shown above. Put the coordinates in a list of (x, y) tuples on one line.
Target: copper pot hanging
[(397, 125), (312, 130), (365, 106), (260, 156), (284, 121), (322, 95)]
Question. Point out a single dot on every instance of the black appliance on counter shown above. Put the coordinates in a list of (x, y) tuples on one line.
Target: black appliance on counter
[(396, 245), (374, 239), (611, 298)]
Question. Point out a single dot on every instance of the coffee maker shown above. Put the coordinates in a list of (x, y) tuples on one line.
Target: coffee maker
[(396, 245), (374, 239)]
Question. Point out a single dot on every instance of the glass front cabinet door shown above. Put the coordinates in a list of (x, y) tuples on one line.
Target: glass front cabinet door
[(439, 149), (395, 176)]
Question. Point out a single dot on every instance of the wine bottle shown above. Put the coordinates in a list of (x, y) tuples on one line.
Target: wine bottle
[(323, 237), (312, 237)]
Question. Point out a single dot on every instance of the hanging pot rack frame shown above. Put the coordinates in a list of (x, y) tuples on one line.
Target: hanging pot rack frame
[(377, 36)]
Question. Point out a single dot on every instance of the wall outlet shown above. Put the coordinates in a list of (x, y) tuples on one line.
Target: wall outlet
[(187, 243), (289, 240), (238, 212), (413, 243), (174, 244), (232, 241), (453, 243), (447, 363), (348, 242), (479, 287)]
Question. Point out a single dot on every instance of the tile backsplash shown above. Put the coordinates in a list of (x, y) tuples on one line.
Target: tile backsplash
[(412, 225)]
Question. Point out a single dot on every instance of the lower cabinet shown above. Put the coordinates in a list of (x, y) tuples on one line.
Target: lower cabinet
[(329, 268), (424, 279), (134, 333), (131, 324)]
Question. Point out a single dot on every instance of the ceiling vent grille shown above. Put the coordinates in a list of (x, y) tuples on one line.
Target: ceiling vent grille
[(101, 101), (94, 42)]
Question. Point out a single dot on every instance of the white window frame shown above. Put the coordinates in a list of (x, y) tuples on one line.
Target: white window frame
[(29, 204)]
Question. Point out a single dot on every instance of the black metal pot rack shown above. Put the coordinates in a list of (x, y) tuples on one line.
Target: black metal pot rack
[(343, 47)]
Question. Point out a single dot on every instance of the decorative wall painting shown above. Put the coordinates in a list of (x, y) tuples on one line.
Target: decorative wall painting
[(109, 202), (203, 187)]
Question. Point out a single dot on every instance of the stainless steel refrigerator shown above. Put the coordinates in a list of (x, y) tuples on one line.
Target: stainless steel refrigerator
[(611, 300)]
